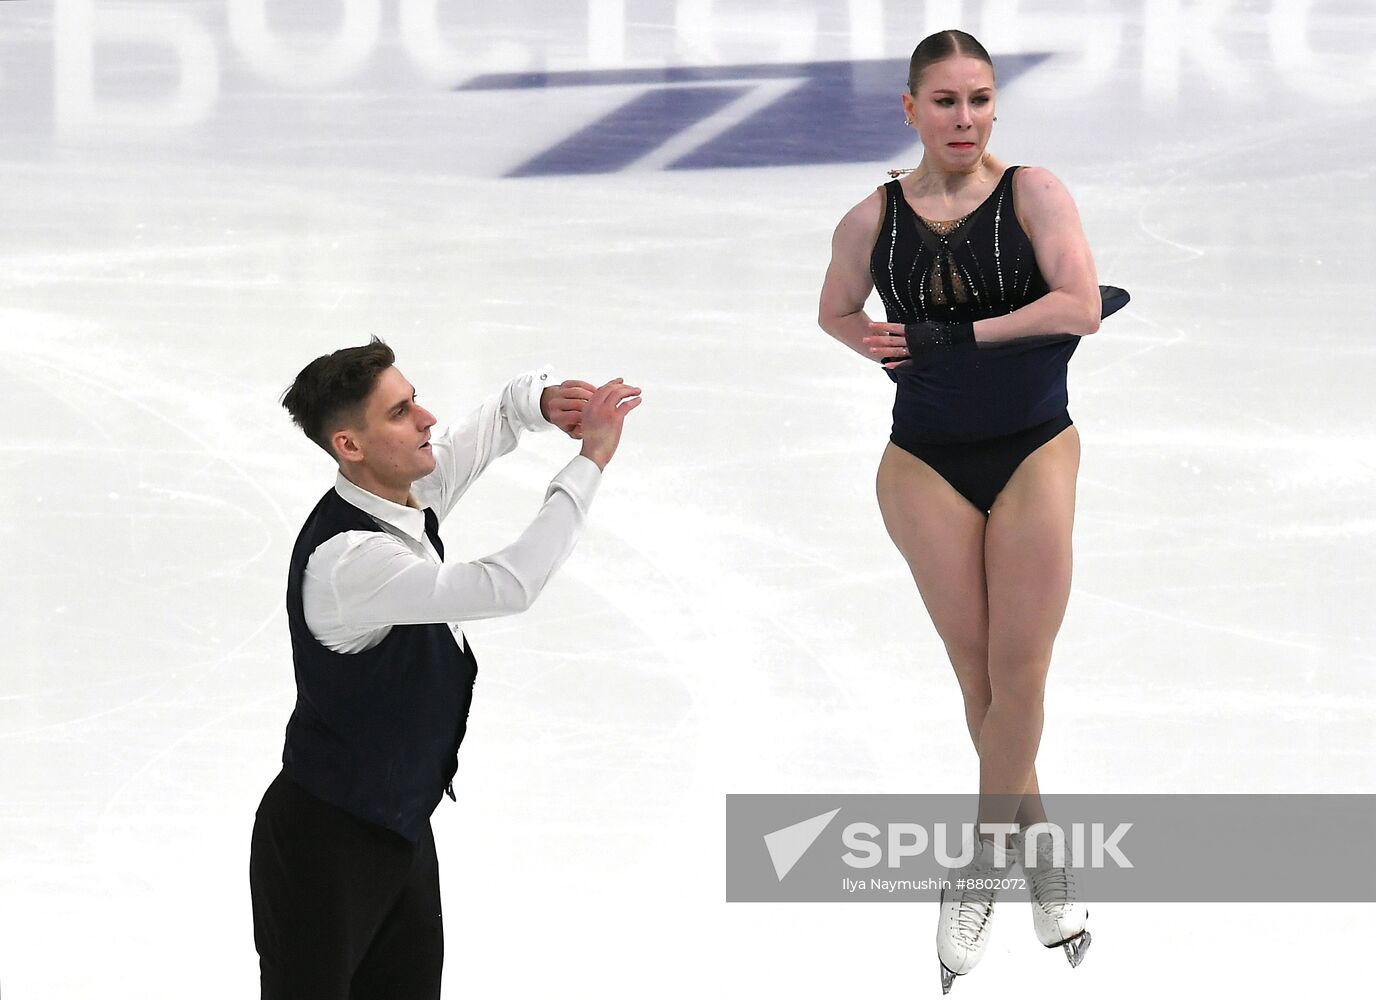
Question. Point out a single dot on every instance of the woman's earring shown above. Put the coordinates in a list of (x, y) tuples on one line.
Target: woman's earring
[(996, 118), (909, 121)]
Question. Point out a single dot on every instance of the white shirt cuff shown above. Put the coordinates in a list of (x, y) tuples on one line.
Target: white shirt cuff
[(529, 400), (579, 479)]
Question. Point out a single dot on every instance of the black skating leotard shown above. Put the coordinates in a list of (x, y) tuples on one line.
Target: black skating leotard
[(983, 266)]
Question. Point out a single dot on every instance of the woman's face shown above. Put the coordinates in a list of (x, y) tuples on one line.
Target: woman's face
[(953, 111)]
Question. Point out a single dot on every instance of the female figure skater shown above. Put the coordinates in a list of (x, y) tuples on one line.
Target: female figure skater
[(988, 283)]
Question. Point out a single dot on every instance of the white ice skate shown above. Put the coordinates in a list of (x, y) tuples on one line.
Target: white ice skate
[(966, 910), (1057, 914)]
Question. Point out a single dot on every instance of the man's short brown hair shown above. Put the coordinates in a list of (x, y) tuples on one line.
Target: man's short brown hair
[(333, 387)]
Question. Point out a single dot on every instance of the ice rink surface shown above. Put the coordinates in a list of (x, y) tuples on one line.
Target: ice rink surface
[(199, 197)]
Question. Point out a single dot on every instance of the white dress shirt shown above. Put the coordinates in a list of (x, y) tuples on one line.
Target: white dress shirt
[(359, 584)]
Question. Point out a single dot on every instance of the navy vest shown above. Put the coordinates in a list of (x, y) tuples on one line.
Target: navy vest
[(375, 733)]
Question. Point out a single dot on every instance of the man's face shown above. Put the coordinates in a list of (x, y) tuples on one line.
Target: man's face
[(392, 447)]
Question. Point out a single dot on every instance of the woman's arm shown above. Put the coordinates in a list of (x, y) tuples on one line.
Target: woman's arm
[(847, 285), (1052, 222)]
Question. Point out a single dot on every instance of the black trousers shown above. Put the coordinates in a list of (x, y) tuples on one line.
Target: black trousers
[(342, 909)]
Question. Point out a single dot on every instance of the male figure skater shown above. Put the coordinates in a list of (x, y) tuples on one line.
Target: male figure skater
[(343, 873)]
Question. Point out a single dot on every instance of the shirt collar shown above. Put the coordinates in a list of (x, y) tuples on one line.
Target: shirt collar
[(409, 521)]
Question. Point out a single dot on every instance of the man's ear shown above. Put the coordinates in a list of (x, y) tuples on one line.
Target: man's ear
[(346, 446)]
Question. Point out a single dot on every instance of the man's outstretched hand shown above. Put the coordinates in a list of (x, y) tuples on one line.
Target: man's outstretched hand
[(562, 405), (603, 414)]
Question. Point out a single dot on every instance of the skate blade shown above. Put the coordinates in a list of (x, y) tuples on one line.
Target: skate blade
[(947, 978), (1075, 949)]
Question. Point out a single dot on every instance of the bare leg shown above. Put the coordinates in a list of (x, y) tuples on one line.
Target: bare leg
[(942, 538), (1030, 809), (1027, 567)]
